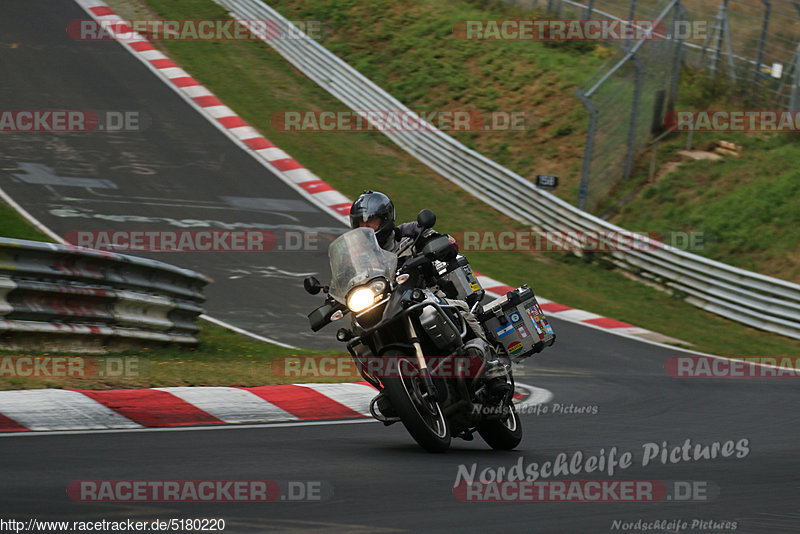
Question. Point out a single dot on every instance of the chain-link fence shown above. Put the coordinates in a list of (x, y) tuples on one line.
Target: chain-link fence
[(626, 102), (753, 44)]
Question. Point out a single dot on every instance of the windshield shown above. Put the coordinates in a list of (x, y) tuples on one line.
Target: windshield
[(356, 258)]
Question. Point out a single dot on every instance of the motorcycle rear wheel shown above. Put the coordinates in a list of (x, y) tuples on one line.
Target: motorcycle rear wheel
[(502, 434), (423, 419)]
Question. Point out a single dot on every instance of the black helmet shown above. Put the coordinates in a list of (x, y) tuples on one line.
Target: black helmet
[(374, 205)]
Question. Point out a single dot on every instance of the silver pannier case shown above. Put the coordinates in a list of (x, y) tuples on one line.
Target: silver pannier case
[(457, 281), (516, 320)]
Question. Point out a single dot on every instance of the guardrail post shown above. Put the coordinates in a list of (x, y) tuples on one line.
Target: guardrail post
[(587, 154)]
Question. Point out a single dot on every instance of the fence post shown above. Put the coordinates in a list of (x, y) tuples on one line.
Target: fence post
[(589, 9), (794, 99), (587, 154), (631, 13), (676, 58), (634, 116), (722, 28), (761, 42)]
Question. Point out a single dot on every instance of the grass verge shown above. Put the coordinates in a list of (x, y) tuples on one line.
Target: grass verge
[(14, 225), (223, 358), (746, 209)]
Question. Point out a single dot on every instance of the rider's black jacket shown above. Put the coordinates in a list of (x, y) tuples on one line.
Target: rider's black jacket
[(409, 229)]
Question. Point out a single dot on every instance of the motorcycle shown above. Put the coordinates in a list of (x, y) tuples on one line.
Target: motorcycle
[(412, 344)]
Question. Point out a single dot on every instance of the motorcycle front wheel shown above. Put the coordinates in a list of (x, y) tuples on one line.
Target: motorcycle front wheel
[(502, 434), (422, 418)]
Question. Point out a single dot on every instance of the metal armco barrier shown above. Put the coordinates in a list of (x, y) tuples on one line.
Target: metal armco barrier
[(751, 298), (87, 299)]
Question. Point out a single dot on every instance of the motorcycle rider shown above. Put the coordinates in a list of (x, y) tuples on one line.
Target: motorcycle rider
[(376, 210)]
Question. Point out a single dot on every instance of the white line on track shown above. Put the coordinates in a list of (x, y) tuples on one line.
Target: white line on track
[(244, 332)]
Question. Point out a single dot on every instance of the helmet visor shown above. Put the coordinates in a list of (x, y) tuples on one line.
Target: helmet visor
[(372, 222)]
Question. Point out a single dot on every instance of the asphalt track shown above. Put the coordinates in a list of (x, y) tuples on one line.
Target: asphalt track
[(381, 481), (182, 168)]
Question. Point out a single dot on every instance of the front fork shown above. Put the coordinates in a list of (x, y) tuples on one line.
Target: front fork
[(424, 372)]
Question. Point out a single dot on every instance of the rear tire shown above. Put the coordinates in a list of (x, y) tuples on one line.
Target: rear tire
[(423, 420), (502, 434)]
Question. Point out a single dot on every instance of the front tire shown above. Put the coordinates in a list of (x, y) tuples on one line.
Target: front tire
[(423, 419), (502, 434)]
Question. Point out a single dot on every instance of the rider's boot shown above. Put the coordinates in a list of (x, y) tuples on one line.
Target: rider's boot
[(495, 374)]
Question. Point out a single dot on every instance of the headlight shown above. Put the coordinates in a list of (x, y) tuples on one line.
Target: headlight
[(361, 299), (364, 297)]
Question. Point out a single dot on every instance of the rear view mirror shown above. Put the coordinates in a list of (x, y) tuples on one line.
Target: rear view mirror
[(312, 285), (426, 219)]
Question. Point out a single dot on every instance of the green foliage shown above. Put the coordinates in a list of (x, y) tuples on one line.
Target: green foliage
[(13, 225), (580, 47), (702, 90), (748, 208)]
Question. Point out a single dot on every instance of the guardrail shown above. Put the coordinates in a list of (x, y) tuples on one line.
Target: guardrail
[(760, 301), (91, 300)]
